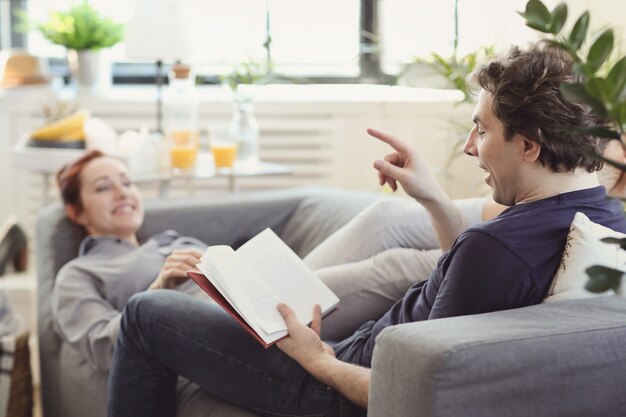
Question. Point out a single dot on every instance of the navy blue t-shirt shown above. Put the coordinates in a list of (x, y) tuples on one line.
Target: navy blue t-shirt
[(505, 263)]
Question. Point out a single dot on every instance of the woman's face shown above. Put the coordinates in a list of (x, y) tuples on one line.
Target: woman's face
[(111, 202)]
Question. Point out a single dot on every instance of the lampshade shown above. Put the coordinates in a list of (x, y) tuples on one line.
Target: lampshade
[(157, 31)]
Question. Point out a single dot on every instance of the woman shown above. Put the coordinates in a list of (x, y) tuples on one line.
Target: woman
[(91, 290), (99, 195)]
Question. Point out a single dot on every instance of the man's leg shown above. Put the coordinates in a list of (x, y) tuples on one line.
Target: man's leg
[(165, 334)]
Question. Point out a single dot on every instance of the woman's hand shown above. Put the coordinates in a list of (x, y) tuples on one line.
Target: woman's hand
[(174, 270)]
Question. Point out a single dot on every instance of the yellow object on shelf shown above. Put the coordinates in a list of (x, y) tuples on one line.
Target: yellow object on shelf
[(183, 157), (69, 128), (224, 154), (183, 148)]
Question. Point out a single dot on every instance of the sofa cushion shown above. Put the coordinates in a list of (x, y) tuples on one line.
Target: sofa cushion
[(582, 250)]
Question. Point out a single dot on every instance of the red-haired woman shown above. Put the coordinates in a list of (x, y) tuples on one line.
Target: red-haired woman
[(91, 291)]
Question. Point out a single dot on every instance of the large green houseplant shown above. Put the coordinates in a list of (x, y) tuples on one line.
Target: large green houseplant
[(602, 86), (84, 32)]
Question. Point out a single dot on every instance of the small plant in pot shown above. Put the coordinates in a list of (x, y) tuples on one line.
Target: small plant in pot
[(602, 86), (84, 32)]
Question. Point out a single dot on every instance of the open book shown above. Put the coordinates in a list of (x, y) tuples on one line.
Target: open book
[(249, 282)]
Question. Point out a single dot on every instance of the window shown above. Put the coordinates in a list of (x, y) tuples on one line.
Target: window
[(319, 40)]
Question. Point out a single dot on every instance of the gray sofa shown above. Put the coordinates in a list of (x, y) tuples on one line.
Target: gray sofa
[(560, 359)]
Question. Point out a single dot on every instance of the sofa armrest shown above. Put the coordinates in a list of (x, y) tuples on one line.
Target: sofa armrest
[(563, 358)]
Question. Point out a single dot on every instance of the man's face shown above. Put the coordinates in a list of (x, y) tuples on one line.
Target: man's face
[(501, 159)]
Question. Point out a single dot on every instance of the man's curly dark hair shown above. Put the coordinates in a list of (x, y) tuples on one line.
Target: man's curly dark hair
[(525, 87)]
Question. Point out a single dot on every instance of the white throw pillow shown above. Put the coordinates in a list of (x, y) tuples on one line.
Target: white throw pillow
[(582, 250)]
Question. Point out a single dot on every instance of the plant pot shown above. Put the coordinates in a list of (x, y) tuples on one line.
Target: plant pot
[(90, 69)]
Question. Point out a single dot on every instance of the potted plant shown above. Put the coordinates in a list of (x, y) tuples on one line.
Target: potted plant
[(84, 32), (602, 87)]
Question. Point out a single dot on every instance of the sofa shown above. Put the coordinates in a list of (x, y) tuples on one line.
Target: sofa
[(559, 359)]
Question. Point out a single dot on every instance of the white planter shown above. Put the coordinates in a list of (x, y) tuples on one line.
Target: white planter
[(91, 70)]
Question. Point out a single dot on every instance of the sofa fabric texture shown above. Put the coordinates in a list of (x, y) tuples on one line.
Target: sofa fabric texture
[(565, 358)]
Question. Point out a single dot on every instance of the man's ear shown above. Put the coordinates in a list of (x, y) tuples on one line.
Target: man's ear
[(532, 149), (75, 214)]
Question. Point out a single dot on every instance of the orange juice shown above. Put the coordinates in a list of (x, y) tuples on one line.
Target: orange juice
[(183, 148), (183, 157), (224, 154)]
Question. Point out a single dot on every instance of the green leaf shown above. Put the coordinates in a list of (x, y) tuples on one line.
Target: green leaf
[(537, 16), (615, 241), (81, 27), (557, 18), (580, 68), (579, 31), (617, 78), (577, 93), (600, 50), (602, 278), (617, 113), (600, 89)]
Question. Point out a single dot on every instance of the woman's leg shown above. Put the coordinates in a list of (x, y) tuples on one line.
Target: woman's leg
[(367, 289), (386, 224)]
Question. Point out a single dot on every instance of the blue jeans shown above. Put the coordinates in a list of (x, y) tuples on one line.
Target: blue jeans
[(165, 333)]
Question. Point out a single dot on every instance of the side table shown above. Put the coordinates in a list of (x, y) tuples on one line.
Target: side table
[(204, 169), (47, 161)]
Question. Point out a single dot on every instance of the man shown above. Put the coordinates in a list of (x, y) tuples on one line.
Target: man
[(532, 165)]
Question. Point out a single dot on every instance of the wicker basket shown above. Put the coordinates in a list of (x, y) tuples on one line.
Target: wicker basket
[(21, 394)]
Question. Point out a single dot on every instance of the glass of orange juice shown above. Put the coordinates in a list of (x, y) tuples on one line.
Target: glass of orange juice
[(183, 146), (224, 153)]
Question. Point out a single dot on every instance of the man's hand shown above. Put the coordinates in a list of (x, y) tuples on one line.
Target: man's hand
[(174, 270), (303, 344), (407, 166)]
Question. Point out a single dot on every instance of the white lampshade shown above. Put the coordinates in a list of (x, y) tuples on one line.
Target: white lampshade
[(157, 31)]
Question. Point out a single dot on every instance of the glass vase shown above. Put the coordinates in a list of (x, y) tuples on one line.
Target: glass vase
[(243, 128)]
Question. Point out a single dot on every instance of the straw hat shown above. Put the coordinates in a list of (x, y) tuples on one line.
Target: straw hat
[(20, 68)]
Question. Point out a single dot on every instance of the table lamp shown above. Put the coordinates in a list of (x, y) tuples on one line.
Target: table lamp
[(157, 31)]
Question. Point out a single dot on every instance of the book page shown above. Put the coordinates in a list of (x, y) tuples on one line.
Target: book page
[(290, 279), (239, 285)]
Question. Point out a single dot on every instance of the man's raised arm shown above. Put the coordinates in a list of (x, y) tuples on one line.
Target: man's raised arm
[(408, 166)]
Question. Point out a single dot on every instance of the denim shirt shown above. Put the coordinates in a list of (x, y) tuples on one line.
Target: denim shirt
[(91, 291)]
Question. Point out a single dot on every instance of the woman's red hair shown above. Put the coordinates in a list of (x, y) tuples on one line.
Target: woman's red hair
[(68, 178)]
